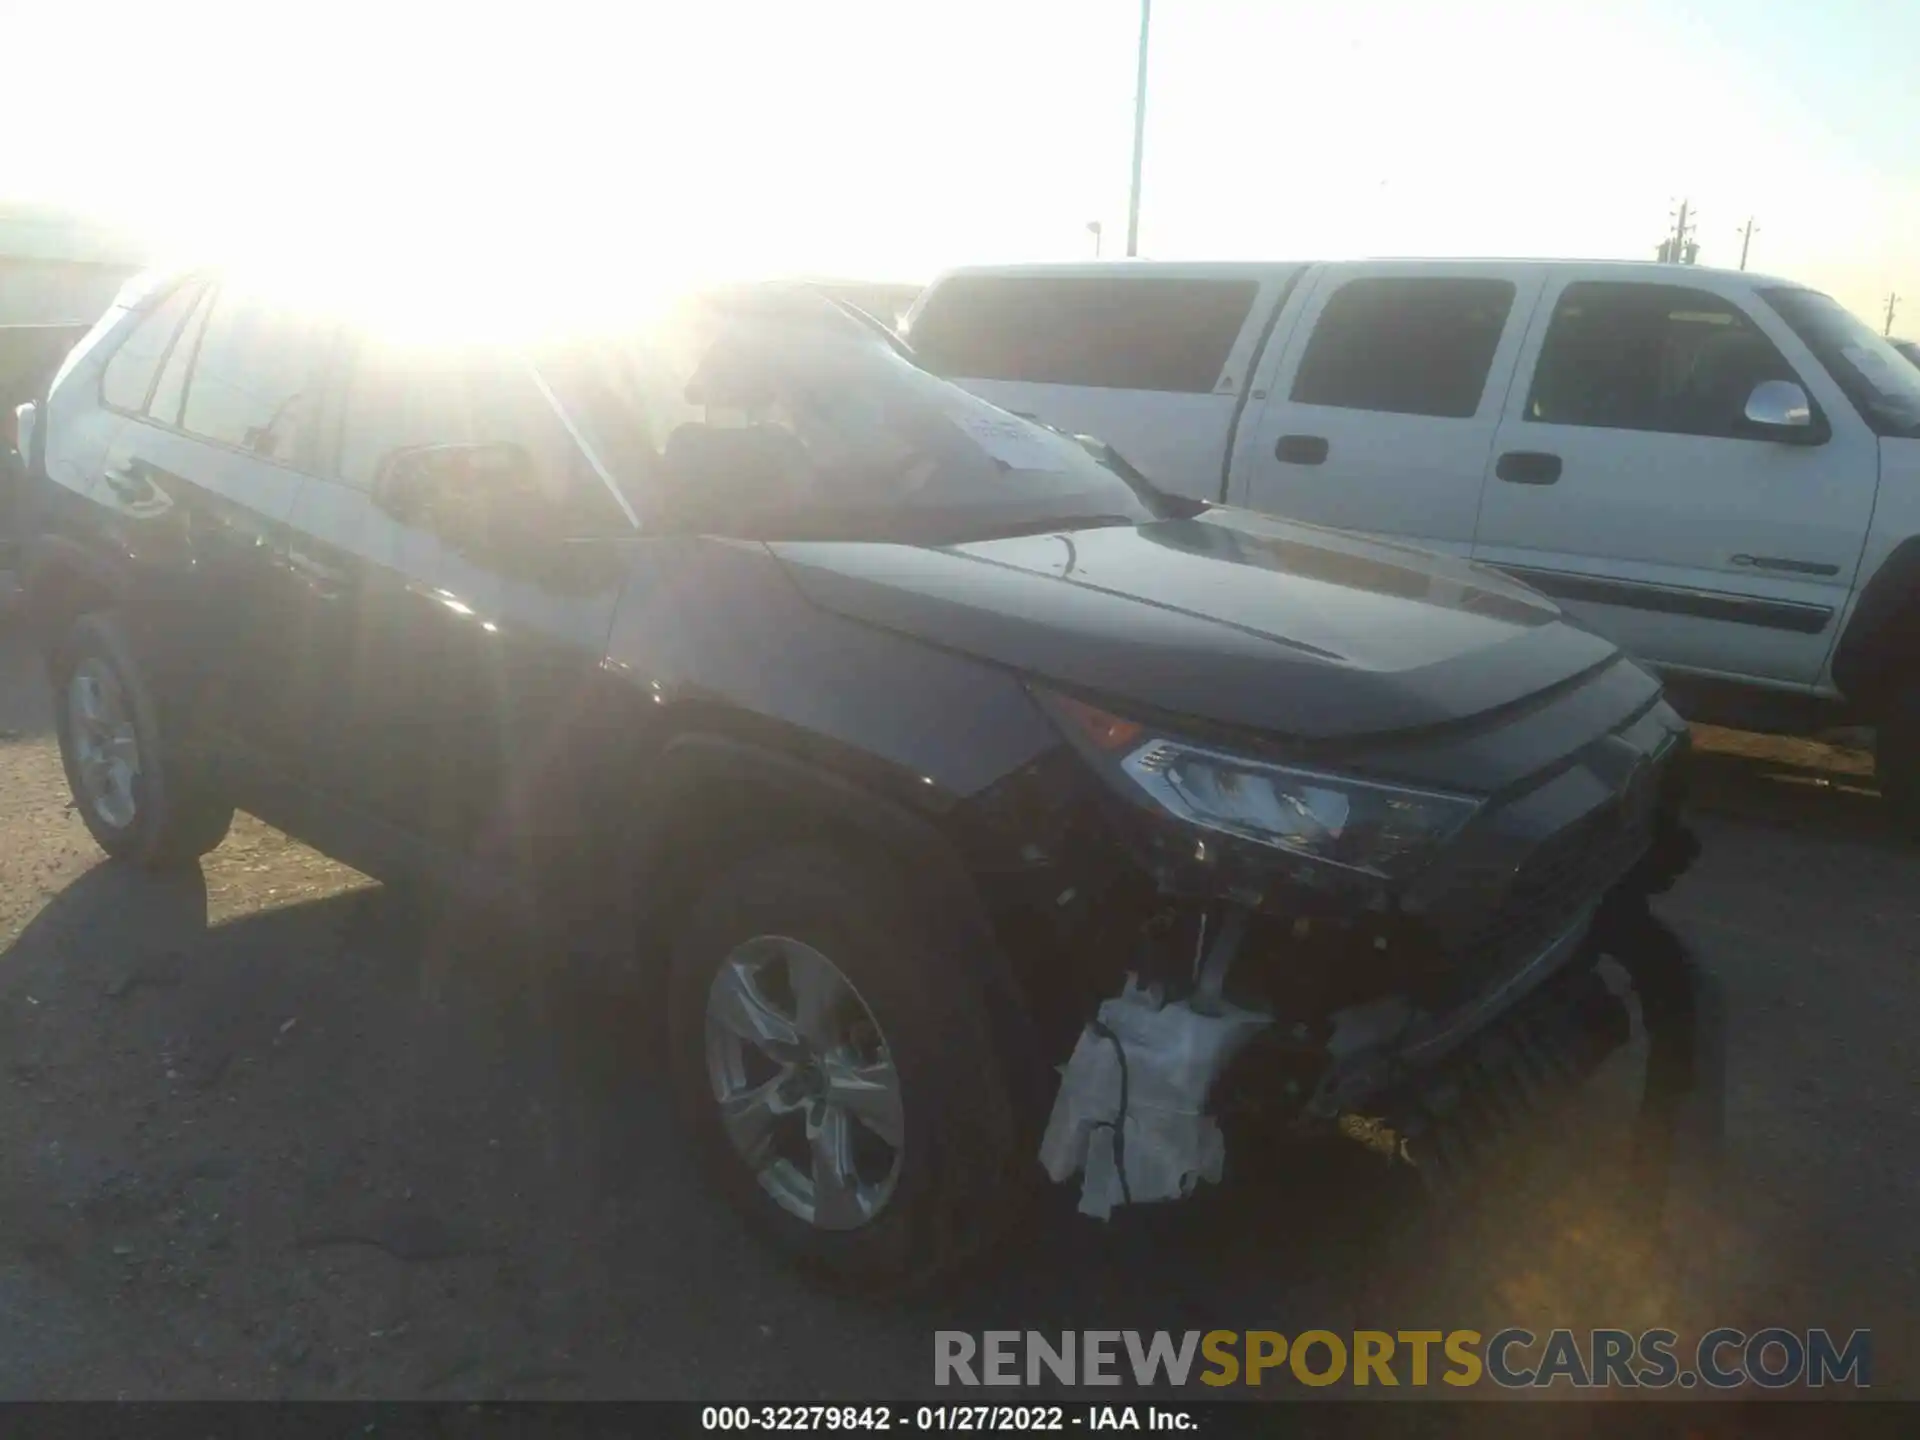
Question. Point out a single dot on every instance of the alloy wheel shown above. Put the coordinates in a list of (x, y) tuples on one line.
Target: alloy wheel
[(105, 745), (807, 1088)]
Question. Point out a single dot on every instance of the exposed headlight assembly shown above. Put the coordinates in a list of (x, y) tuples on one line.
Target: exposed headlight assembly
[(1365, 825)]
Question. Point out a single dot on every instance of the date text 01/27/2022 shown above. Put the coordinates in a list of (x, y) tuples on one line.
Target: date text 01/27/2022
[(812, 1419)]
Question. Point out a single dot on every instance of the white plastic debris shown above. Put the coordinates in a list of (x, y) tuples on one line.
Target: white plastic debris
[(1173, 1055)]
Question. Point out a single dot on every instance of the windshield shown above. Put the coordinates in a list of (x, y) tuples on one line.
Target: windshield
[(1883, 387), (768, 412)]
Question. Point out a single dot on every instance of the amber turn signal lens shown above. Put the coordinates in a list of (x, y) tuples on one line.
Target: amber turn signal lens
[(1107, 733)]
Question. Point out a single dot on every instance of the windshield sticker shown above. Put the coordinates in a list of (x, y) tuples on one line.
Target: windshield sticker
[(1012, 441)]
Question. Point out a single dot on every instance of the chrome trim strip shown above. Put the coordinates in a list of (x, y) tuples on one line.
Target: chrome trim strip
[(1795, 616)]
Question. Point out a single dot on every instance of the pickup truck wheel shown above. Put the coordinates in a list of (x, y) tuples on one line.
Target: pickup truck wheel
[(833, 1066), (139, 799), (1896, 758)]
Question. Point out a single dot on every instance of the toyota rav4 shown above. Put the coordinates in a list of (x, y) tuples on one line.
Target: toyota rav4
[(973, 810)]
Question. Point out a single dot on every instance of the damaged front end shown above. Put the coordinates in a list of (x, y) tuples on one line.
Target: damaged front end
[(1404, 966)]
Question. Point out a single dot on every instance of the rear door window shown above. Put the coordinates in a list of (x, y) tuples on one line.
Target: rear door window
[(1405, 345), (130, 373), (1664, 358), (1114, 333), (256, 380), (172, 385)]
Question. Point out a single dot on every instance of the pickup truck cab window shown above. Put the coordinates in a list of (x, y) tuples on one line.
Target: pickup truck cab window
[(1666, 358), (1405, 345), (1170, 335)]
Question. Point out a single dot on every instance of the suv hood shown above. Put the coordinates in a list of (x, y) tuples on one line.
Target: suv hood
[(1229, 617)]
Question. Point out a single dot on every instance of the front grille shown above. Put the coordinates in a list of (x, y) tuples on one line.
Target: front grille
[(1563, 876), (1515, 1077)]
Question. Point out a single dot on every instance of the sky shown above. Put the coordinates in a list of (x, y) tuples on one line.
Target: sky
[(888, 139)]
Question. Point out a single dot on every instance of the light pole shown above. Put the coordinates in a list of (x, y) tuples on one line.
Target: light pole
[(1746, 239), (1139, 131), (1095, 229)]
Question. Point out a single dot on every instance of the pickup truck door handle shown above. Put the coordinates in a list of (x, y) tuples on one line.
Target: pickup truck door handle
[(1528, 467), (1301, 449)]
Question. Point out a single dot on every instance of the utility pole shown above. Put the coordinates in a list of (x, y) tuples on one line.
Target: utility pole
[(1139, 131), (1679, 248), (1892, 300), (1746, 239)]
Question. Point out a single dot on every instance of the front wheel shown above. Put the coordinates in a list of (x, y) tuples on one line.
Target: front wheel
[(835, 1068), (1896, 758), (141, 800)]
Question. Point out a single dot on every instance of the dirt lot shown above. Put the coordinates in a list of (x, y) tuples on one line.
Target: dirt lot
[(262, 1134)]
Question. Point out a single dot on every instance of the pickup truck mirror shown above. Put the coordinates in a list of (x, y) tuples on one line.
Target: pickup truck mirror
[(1780, 410)]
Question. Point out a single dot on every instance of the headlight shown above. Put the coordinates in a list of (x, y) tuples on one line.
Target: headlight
[(1337, 819)]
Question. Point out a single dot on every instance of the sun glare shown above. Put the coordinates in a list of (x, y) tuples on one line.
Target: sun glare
[(546, 157), (488, 275)]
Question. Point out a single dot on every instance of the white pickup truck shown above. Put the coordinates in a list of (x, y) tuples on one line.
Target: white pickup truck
[(1719, 470)]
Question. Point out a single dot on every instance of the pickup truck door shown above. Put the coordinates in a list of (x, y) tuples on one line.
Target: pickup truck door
[(1627, 483), (1376, 406)]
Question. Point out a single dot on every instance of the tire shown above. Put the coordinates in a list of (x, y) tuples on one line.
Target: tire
[(956, 1180), (1896, 758), (170, 816)]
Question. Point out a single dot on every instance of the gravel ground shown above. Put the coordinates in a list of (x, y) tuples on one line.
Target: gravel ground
[(263, 1134)]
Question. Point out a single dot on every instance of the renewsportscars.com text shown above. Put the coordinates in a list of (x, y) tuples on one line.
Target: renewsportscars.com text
[(1515, 1358)]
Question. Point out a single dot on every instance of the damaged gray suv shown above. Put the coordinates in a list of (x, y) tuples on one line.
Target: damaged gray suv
[(973, 811)]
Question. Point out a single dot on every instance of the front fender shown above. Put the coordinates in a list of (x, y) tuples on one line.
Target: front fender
[(703, 776), (1880, 648), (710, 799)]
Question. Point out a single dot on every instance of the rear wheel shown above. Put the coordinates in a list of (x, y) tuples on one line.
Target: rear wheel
[(142, 801), (834, 1065)]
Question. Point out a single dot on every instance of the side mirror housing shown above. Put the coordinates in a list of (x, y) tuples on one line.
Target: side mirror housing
[(1780, 410)]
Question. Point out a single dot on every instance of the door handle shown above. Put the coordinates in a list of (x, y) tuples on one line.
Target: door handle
[(125, 481), (1528, 467), (323, 581), (1301, 449)]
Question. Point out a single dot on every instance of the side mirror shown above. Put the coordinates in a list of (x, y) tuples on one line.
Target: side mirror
[(1780, 410)]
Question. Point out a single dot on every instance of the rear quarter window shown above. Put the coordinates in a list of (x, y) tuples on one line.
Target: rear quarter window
[(1103, 332)]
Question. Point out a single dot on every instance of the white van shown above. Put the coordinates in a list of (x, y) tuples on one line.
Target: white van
[(1718, 469)]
